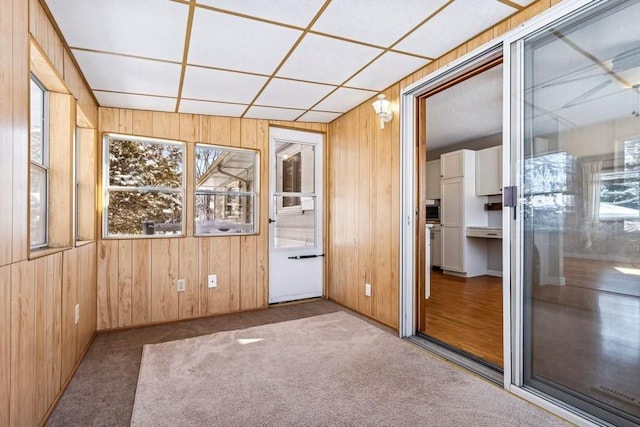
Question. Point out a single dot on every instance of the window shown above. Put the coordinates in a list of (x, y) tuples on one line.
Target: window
[(225, 190), (144, 186), (39, 166), (620, 189)]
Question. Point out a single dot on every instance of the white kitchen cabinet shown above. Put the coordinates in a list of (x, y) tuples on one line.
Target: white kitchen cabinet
[(460, 208), (433, 179), (489, 171), (453, 249), (436, 247), (451, 203), (457, 164)]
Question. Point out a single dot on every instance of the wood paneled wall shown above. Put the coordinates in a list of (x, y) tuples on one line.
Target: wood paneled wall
[(364, 193), (40, 343), (137, 277)]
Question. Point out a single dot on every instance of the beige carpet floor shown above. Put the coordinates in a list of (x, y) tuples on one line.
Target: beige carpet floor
[(327, 370)]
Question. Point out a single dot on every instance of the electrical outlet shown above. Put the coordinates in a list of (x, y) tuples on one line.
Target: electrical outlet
[(367, 289), (77, 314), (213, 280), (181, 285)]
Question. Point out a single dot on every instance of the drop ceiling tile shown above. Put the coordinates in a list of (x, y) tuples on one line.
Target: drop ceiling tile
[(124, 26), (220, 86), (319, 117), (230, 42), (458, 22), (292, 12), (369, 22), (272, 113), (326, 60), (136, 102), (292, 94), (125, 74), (386, 70), (211, 108), (344, 99)]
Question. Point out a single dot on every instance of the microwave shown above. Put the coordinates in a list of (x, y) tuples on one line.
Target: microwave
[(433, 213)]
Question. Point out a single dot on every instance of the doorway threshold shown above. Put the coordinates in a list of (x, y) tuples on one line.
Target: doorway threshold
[(480, 367)]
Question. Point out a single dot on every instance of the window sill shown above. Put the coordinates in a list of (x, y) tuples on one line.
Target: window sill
[(80, 243), (39, 253)]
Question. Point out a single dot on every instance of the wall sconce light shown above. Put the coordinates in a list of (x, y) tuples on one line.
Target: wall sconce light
[(383, 110)]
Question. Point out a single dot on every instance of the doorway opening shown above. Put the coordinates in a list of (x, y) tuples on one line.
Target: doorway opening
[(459, 259)]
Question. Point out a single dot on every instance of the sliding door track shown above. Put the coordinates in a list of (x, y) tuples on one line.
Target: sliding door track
[(468, 361)]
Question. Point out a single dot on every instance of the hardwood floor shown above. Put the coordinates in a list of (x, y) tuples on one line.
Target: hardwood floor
[(466, 314)]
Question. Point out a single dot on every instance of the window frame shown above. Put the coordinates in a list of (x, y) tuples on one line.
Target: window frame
[(41, 166), (254, 195), (107, 188)]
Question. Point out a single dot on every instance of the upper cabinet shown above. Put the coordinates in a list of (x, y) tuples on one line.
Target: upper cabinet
[(453, 164), (433, 179), (489, 171)]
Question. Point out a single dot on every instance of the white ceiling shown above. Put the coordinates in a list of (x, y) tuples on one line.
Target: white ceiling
[(454, 115), (308, 60), (573, 81)]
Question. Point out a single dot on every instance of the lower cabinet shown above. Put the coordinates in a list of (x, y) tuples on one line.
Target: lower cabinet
[(436, 248), (452, 250)]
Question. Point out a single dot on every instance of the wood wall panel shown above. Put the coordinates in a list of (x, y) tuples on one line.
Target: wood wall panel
[(189, 300), (86, 294), (137, 277), (125, 277), (5, 343), (164, 273), (107, 284), (23, 343), (87, 161), (31, 291), (6, 129), (61, 129), (53, 330), (69, 301), (356, 142), (20, 84), (141, 283), (40, 280)]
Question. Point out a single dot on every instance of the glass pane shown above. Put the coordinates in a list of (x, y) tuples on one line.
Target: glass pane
[(224, 213), (38, 206), (295, 226), (581, 181), (222, 169), (136, 163), (140, 213), (295, 165), (37, 123)]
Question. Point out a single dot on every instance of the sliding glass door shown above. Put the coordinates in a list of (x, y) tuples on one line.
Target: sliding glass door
[(576, 111)]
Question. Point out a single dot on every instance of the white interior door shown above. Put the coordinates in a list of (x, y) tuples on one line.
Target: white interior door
[(296, 247)]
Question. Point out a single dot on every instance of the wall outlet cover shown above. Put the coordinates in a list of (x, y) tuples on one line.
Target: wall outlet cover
[(213, 280), (181, 285), (367, 289)]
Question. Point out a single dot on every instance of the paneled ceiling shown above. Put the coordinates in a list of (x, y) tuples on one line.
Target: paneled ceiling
[(297, 60)]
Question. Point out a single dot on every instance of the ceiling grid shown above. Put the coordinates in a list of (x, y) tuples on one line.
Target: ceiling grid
[(274, 59)]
